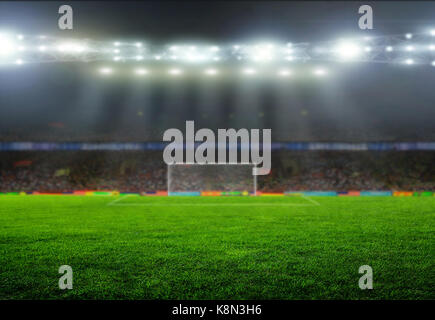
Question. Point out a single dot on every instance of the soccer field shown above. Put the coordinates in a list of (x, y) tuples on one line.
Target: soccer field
[(217, 247)]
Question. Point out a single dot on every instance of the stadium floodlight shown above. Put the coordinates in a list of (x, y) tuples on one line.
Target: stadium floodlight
[(432, 47), (347, 51), (389, 49), (408, 36), (433, 63), (139, 58), (284, 73), (42, 48), (138, 44), (106, 71), (195, 58), (20, 37), (409, 61), (236, 47), (175, 72), (210, 72), (117, 58), (157, 57), (19, 62), (249, 71), (214, 49), (319, 72), (409, 48), (141, 72), (117, 44), (432, 32), (71, 48), (6, 45), (116, 51)]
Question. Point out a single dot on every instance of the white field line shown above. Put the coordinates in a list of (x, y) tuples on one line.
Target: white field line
[(111, 203), (240, 204), (311, 200)]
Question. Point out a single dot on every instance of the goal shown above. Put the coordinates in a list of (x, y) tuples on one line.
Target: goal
[(201, 178)]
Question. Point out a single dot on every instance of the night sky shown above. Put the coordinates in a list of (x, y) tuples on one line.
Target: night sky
[(359, 102)]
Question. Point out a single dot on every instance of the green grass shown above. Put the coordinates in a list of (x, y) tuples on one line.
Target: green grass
[(216, 248)]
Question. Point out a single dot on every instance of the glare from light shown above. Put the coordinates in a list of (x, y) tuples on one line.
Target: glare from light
[(289, 58), (214, 49), (175, 72), (262, 53), (174, 57), (348, 51), (409, 61), (21, 48), (389, 48), (409, 48), (173, 48), (117, 44), (195, 58), (433, 63), (249, 71), (367, 49), (19, 62), (157, 57), (42, 48), (236, 47), (319, 72), (141, 72), (138, 44), (432, 32), (116, 58), (20, 37), (71, 48), (216, 59), (106, 71), (6, 45), (211, 72), (139, 58), (408, 36), (432, 47), (116, 51), (289, 44), (284, 73)]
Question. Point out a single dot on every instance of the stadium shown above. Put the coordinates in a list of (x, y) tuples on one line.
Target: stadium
[(83, 182)]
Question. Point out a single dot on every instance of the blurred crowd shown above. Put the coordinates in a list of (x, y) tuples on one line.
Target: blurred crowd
[(57, 132), (142, 171)]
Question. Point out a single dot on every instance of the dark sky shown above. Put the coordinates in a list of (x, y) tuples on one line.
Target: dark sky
[(365, 101)]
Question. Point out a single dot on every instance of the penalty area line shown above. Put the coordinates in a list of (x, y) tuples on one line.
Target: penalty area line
[(111, 203)]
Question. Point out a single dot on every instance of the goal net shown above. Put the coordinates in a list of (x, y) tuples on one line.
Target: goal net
[(196, 178)]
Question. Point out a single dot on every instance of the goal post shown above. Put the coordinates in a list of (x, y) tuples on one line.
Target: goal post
[(197, 179)]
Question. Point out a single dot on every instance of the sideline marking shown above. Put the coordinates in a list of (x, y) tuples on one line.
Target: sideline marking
[(116, 203)]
